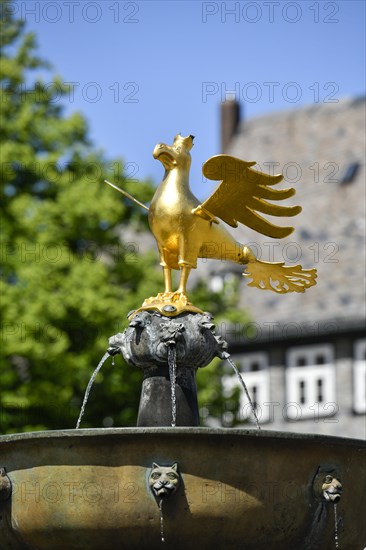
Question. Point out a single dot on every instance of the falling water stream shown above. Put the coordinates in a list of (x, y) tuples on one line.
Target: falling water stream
[(245, 389), (172, 362), (161, 520), (89, 386), (336, 527)]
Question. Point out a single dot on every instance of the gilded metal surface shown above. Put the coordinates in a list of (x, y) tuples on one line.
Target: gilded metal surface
[(186, 230), (279, 277), (89, 489), (169, 304), (242, 193)]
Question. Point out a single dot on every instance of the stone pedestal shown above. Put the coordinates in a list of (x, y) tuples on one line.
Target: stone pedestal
[(155, 402)]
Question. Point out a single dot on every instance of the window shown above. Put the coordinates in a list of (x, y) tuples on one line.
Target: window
[(319, 383), (310, 382), (302, 392), (359, 377), (254, 369)]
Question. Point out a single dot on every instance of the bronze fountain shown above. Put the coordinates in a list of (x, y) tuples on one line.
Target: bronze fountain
[(169, 483)]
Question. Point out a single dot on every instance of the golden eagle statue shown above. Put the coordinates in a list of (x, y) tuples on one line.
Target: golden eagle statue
[(186, 229)]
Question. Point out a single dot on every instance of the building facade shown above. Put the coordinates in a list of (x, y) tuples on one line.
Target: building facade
[(303, 356)]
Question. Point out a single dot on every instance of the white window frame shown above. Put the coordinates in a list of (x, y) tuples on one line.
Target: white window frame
[(302, 383), (258, 379), (359, 377)]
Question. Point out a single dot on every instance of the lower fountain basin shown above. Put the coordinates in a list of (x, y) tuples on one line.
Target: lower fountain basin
[(88, 489)]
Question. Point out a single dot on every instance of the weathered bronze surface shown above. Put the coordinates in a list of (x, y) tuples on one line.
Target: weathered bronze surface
[(5, 485), (146, 343), (327, 485), (186, 230), (164, 480), (89, 489)]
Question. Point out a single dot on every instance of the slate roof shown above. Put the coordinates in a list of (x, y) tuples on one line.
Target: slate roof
[(314, 146)]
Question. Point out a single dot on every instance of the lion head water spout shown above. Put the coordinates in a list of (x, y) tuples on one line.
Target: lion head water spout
[(328, 491), (164, 482), (332, 489)]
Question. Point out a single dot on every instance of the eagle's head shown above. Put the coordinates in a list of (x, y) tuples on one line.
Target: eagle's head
[(176, 155)]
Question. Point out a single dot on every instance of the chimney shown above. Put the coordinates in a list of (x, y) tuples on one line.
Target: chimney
[(230, 117)]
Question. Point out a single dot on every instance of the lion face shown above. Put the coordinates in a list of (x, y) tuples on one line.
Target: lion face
[(332, 488), (164, 480), (327, 485)]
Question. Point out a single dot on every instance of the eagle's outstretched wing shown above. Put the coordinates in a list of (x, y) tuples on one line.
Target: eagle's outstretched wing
[(242, 193)]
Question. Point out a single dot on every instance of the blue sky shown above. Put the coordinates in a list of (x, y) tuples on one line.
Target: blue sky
[(147, 70)]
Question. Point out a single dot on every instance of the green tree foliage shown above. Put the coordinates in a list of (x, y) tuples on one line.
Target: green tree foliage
[(68, 277)]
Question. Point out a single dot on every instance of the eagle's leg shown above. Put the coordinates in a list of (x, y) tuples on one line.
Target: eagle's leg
[(167, 272), (167, 279), (188, 253), (184, 274)]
